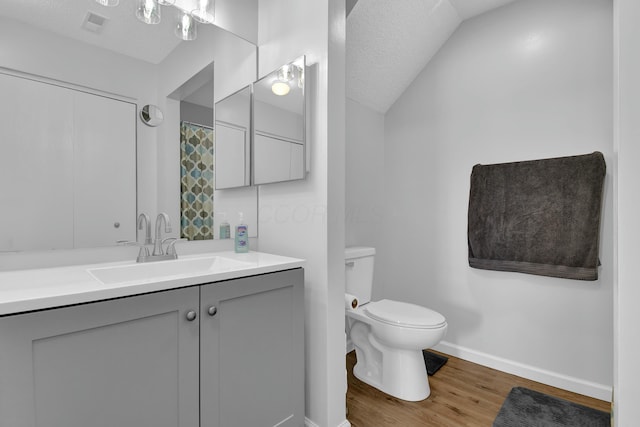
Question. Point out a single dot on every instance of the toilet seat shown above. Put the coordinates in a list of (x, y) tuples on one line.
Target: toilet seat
[(404, 314)]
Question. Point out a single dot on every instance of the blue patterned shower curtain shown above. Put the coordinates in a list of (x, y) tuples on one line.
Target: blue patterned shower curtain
[(196, 181)]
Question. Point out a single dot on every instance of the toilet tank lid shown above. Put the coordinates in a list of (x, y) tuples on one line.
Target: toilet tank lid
[(358, 252)]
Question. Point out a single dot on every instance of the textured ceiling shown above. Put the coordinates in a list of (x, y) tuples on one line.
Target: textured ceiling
[(390, 42)]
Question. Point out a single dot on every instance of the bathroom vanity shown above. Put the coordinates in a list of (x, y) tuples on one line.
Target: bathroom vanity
[(191, 346)]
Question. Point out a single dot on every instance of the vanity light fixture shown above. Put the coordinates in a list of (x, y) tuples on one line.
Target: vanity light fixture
[(286, 73), (148, 11), (204, 12), (188, 12), (300, 76), (186, 27)]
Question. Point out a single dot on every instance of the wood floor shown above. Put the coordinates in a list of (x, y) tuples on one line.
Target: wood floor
[(462, 394)]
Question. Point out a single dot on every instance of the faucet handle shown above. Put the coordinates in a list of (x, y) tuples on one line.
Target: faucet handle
[(144, 251), (171, 247)]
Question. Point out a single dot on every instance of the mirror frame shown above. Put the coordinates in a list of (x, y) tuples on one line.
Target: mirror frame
[(151, 115)]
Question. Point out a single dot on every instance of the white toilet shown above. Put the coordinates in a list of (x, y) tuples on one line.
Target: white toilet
[(389, 336)]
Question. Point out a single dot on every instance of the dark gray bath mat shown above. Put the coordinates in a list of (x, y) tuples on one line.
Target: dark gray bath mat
[(433, 361), (528, 408)]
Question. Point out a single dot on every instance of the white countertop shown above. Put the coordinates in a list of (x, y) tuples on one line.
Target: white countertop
[(36, 289)]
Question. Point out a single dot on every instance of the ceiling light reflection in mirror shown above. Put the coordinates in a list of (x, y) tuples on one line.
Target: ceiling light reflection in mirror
[(279, 146), (186, 13)]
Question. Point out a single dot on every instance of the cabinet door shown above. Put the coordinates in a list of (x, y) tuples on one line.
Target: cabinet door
[(252, 352), (130, 362)]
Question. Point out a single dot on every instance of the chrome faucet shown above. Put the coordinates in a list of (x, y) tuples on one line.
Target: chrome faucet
[(144, 218), (157, 247), (159, 254)]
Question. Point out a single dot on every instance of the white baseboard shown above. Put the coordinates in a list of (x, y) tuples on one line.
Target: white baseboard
[(309, 423), (576, 385)]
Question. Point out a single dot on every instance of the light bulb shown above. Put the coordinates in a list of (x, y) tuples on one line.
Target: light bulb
[(300, 77), (186, 27), (148, 11), (108, 3), (204, 13), (285, 73), (280, 88)]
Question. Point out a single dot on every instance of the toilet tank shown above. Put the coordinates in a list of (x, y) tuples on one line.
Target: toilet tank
[(358, 262)]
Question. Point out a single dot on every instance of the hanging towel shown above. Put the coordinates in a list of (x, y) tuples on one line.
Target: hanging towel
[(537, 217)]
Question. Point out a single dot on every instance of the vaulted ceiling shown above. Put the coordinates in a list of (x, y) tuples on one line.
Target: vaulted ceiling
[(390, 42)]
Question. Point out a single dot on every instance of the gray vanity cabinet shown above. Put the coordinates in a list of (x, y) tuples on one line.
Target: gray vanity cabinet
[(252, 352), (225, 354), (129, 362)]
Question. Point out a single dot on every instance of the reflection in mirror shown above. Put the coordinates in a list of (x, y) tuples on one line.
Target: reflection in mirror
[(151, 115), (233, 120), (279, 125), (126, 64), (58, 155), (196, 155)]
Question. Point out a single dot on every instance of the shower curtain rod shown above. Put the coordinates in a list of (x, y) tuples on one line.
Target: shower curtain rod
[(197, 124)]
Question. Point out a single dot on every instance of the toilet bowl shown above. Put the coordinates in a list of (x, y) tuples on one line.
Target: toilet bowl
[(388, 335)]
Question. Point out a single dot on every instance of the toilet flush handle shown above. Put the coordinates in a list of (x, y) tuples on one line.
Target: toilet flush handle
[(350, 263)]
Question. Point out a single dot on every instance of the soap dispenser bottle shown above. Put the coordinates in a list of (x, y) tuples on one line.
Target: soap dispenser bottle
[(225, 227), (241, 236)]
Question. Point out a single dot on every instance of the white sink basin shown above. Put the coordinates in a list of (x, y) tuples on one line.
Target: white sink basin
[(160, 270)]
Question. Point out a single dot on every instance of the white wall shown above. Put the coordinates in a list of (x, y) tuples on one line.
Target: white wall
[(365, 176), (238, 16), (627, 111), (197, 114), (306, 218), (270, 118), (530, 80)]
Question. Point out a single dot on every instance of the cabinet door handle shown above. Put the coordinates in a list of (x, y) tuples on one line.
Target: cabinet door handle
[(191, 315), (212, 310)]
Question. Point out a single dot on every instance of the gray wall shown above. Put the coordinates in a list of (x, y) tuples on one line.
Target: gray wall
[(196, 114), (529, 80)]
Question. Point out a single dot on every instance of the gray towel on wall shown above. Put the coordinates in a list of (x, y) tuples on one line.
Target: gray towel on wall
[(537, 217)]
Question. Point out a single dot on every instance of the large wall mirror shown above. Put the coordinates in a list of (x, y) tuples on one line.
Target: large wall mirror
[(83, 71), (279, 125)]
